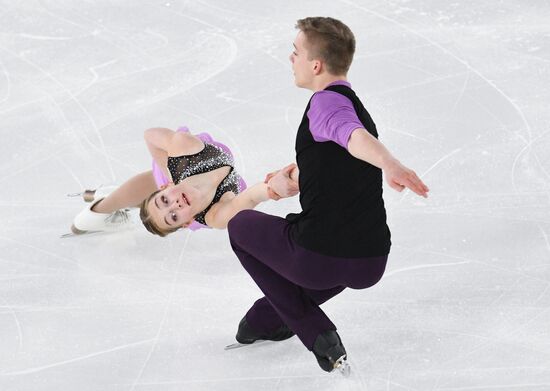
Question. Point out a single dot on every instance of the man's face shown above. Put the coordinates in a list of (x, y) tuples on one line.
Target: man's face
[(302, 67)]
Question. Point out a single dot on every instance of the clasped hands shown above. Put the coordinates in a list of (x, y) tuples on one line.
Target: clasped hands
[(280, 183)]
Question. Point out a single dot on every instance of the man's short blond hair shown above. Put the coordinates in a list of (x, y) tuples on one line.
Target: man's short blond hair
[(329, 40)]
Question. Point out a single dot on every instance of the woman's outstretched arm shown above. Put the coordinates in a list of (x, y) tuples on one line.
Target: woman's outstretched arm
[(279, 184), (230, 204)]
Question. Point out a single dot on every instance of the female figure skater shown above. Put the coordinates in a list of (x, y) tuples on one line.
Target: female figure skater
[(193, 184)]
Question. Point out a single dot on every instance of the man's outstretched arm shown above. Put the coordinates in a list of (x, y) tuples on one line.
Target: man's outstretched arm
[(366, 147)]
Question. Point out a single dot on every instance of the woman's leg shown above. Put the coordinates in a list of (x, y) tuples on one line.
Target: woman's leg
[(131, 193)]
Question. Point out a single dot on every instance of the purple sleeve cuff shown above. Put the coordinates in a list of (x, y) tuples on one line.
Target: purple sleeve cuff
[(332, 117)]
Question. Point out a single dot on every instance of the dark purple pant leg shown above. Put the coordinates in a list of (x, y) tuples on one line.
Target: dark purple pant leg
[(294, 280), (295, 309), (263, 317)]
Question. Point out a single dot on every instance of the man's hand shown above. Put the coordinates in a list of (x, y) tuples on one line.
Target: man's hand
[(281, 184), (400, 177)]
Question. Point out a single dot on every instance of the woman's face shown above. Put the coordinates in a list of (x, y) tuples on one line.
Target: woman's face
[(171, 208)]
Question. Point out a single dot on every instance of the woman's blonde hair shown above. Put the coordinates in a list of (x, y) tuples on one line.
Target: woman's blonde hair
[(147, 220)]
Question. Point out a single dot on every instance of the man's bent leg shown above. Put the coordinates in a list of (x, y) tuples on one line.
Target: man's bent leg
[(276, 273)]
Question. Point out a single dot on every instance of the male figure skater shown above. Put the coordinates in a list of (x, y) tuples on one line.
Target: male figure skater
[(340, 239)]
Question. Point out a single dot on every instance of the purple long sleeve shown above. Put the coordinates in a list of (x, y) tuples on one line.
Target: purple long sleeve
[(332, 116)]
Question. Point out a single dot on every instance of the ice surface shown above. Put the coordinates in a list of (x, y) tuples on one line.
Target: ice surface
[(459, 92)]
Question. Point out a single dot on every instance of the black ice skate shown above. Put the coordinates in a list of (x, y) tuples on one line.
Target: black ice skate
[(247, 336), (330, 353)]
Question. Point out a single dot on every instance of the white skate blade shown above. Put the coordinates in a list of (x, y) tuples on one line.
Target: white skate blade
[(238, 345)]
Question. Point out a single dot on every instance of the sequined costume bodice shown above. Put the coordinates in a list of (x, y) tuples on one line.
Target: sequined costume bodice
[(210, 158)]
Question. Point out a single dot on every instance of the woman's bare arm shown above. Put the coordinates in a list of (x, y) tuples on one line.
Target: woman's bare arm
[(163, 142), (229, 205)]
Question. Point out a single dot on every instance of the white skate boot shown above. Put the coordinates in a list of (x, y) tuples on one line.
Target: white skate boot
[(88, 221), (91, 195)]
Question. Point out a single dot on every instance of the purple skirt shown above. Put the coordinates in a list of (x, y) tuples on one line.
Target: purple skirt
[(162, 180)]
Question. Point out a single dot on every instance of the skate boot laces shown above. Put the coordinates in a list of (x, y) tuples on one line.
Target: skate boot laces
[(120, 217)]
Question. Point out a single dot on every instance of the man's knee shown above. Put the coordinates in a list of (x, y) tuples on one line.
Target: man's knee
[(239, 222), (371, 276)]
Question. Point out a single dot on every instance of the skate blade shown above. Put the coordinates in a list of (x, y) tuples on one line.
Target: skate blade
[(77, 232), (92, 233), (87, 195), (86, 233), (238, 345), (342, 366)]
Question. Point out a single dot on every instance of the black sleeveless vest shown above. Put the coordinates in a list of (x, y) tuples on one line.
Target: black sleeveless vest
[(343, 212)]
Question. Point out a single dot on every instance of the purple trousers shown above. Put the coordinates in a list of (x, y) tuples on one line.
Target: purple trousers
[(294, 280)]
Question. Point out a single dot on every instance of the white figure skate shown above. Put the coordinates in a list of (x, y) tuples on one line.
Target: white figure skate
[(88, 221)]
